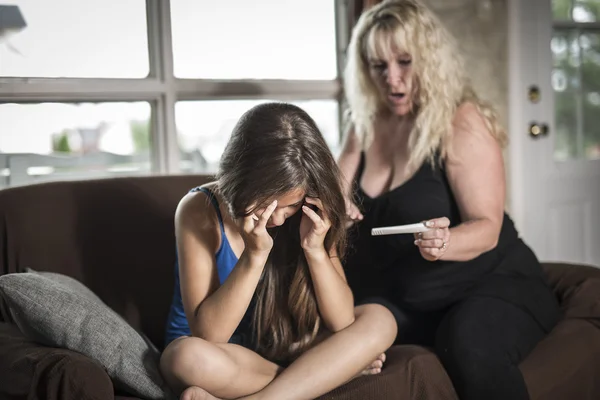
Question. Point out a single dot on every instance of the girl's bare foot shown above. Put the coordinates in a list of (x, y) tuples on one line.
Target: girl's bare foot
[(374, 368), (195, 393)]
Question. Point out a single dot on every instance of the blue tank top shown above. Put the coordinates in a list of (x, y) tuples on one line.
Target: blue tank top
[(177, 324)]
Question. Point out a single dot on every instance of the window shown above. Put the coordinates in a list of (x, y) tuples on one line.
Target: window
[(54, 141), (141, 87), (272, 39), (78, 39), (576, 78), (204, 128)]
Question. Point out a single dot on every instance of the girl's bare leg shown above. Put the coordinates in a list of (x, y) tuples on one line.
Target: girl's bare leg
[(337, 359), (196, 393), (228, 371), (225, 370)]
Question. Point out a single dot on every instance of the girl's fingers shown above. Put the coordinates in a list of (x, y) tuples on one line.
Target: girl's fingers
[(310, 213), (248, 222), (264, 218), (313, 200), (319, 204)]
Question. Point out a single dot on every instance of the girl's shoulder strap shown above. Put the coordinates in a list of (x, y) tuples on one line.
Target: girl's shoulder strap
[(213, 199)]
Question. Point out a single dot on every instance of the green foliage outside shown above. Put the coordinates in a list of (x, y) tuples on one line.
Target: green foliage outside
[(140, 133), (60, 143)]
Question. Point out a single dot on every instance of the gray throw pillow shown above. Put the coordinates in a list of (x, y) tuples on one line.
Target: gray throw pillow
[(59, 311)]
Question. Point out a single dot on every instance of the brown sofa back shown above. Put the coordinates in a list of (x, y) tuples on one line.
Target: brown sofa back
[(114, 235)]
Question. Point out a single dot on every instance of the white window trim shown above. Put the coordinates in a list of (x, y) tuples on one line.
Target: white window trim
[(162, 89)]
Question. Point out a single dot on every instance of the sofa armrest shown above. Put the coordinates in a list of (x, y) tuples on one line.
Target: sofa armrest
[(37, 372), (577, 288)]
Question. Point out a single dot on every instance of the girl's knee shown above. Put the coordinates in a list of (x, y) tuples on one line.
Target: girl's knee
[(184, 357), (379, 321)]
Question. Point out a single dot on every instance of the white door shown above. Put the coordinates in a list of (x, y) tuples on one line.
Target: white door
[(554, 155)]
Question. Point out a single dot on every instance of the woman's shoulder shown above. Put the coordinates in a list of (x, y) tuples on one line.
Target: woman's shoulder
[(470, 126), (467, 117), (471, 136)]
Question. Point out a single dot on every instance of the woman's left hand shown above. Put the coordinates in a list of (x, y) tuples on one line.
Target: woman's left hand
[(434, 243), (314, 225)]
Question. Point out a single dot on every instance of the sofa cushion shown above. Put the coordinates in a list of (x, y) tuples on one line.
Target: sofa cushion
[(35, 372), (410, 373), (58, 311), (577, 288), (565, 364)]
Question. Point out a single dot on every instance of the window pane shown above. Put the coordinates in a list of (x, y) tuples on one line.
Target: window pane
[(566, 83), (204, 128), (57, 141), (241, 39), (562, 9), (565, 120), (585, 10), (576, 84), (590, 61), (79, 39), (590, 141), (576, 10)]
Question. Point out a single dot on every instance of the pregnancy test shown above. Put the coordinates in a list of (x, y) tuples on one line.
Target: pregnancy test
[(394, 230)]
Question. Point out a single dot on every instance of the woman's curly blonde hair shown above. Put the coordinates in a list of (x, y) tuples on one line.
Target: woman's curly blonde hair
[(408, 26)]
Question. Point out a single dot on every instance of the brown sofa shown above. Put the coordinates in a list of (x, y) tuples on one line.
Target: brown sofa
[(116, 236)]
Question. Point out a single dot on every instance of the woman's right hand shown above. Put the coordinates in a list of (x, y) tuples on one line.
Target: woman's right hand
[(257, 240), (352, 212)]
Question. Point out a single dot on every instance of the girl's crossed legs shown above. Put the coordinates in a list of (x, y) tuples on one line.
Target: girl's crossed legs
[(228, 371)]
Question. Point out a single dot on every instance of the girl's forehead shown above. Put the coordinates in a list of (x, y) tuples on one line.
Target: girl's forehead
[(291, 197), (286, 199)]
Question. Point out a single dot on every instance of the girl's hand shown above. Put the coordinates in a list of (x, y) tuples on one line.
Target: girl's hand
[(352, 212), (253, 229), (434, 243), (314, 225)]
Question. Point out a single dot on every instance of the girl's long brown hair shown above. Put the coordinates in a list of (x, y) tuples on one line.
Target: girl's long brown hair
[(276, 148)]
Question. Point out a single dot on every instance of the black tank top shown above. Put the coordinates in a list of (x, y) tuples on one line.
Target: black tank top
[(392, 265)]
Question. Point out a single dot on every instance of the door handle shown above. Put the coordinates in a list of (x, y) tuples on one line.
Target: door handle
[(536, 130)]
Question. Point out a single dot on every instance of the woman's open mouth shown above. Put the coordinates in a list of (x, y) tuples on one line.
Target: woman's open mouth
[(397, 97)]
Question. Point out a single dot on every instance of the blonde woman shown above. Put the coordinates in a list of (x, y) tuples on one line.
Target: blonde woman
[(261, 308), (422, 147)]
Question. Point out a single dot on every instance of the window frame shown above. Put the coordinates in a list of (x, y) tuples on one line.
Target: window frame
[(163, 90)]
